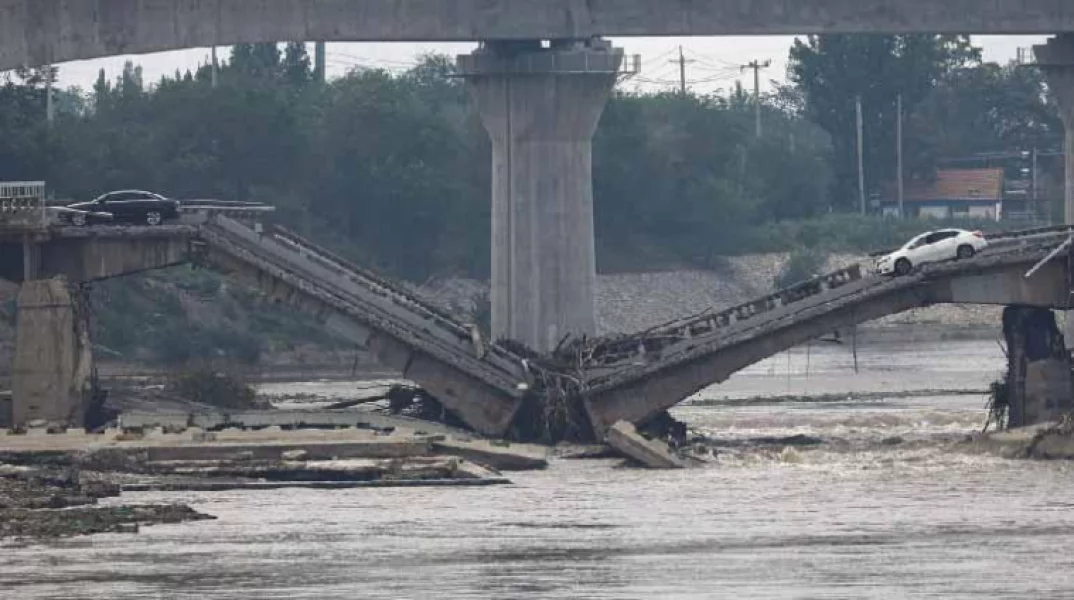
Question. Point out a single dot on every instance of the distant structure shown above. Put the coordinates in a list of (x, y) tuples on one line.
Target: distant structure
[(955, 193)]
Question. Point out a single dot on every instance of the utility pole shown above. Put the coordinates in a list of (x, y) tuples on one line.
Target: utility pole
[(50, 111), (1033, 175), (319, 60), (898, 152), (757, 66), (215, 67), (682, 61), (861, 155)]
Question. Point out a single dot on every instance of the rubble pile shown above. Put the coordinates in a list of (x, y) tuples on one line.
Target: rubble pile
[(46, 503)]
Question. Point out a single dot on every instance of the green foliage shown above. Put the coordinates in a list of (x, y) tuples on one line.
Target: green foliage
[(989, 108), (803, 264), (181, 316), (852, 233), (832, 71), (206, 384)]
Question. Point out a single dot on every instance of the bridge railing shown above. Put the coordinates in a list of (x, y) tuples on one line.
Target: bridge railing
[(606, 352), (22, 201)]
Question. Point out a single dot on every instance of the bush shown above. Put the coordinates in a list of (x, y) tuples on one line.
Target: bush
[(803, 264), (206, 384)]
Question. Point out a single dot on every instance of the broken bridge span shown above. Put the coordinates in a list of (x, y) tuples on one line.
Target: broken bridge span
[(491, 386)]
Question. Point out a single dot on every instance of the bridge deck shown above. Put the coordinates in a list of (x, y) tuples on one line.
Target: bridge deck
[(426, 345), (635, 376), (627, 376)]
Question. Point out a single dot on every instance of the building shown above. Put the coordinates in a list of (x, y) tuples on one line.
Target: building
[(955, 193)]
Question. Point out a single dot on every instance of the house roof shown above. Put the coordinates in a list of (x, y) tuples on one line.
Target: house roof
[(969, 185)]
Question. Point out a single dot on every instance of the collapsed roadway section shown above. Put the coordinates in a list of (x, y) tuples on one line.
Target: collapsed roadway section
[(501, 388)]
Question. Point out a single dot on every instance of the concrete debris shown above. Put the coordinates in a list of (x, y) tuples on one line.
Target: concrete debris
[(49, 503), (505, 457), (655, 455), (283, 419), (206, 485), (584, 451)]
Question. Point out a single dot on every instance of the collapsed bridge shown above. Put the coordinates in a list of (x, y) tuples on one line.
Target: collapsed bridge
[(491, 386)]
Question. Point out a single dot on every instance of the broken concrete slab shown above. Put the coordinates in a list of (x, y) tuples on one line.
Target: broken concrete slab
[(220, 486), (624, 437), (499, 456), (292, 419), (373, 448)]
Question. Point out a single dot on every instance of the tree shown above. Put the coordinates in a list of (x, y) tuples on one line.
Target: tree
[(986, 108), (833, 70), (260, 61), (295, 67)]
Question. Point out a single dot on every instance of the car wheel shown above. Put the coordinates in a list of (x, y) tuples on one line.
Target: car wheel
[(903, 267), (78, 219), (153, 218), (966, 251)]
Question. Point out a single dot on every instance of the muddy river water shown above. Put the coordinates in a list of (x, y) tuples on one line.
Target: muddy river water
[(885, 509)]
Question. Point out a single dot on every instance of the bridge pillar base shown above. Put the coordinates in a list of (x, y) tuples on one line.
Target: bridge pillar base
[(1039, 383), (541, 107), (53, 370)]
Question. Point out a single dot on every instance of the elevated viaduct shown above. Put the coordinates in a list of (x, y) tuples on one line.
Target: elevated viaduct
[(540, 81)]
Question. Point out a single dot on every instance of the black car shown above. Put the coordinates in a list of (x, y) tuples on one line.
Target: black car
[(133, 206), (79, 218)]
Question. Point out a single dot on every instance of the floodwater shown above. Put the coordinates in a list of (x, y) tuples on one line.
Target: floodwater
[(859, 517)]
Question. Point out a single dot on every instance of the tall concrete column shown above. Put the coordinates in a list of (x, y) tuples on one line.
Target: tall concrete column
[(1056, 59), (53, 357), (541, 106)]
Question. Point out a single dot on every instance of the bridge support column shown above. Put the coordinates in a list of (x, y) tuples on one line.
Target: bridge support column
[(53, 356), (1056, 59), (1039, 386), (541, 106)]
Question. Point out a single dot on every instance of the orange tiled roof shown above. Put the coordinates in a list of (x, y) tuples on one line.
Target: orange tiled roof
[(959, 184)]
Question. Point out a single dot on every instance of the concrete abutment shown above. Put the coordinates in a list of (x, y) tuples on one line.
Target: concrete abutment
[(540, 106), (53, 360)]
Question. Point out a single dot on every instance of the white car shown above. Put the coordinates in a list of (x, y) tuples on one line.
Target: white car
[(931, 247)]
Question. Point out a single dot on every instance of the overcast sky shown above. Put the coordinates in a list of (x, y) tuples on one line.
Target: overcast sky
[(716, 61)]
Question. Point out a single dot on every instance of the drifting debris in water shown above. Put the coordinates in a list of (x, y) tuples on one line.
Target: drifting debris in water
[(998, 405)]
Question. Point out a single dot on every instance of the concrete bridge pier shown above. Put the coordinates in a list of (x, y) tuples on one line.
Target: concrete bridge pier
[(1039, 386), (53, 356), (541, 103), (1056, 59)]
